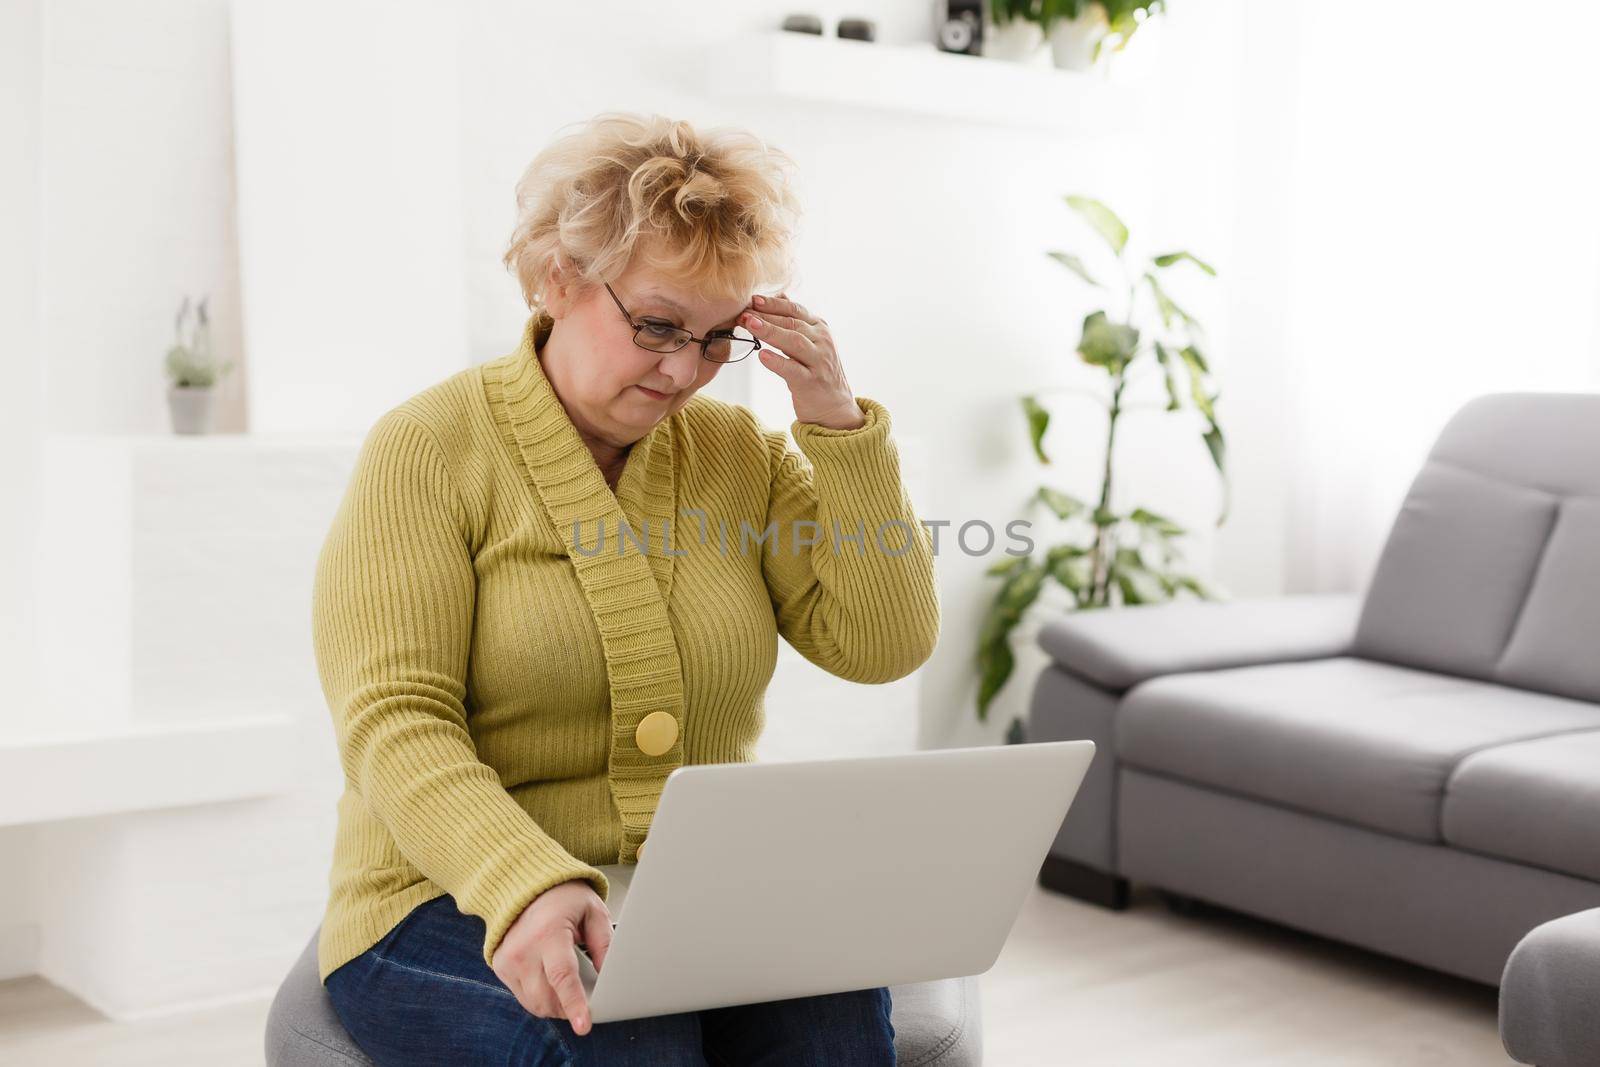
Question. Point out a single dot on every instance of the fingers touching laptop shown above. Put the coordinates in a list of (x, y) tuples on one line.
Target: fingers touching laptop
[(538, 957)]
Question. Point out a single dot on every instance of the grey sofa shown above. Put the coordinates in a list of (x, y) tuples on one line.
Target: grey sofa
[(1415, 770), (936, 1024)]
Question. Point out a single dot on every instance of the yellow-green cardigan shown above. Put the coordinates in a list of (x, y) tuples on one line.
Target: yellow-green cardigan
[(487, 674)]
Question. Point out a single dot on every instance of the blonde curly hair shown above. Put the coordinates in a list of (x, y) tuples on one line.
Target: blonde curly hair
[(711, 208)]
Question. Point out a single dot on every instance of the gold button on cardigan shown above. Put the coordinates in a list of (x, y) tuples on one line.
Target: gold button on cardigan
[(656, 733), (515, 657)]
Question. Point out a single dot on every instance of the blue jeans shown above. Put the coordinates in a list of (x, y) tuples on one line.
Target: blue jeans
[(423, 995)]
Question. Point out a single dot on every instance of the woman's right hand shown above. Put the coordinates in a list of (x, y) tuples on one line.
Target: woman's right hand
[(538, 957)]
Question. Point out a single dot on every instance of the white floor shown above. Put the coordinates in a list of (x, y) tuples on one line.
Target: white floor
[(1075, 984)]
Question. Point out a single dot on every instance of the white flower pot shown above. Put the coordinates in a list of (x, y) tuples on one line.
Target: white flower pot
[(192, 408), (1073, 41), (1018, 40)]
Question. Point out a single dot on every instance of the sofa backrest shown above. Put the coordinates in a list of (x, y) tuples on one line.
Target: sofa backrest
[(1492, 568)]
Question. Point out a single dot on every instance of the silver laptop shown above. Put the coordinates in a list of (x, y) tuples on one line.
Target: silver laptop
[(764, 881)]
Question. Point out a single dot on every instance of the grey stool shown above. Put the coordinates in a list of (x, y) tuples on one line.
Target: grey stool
[(1550, 993), (934, 1023)]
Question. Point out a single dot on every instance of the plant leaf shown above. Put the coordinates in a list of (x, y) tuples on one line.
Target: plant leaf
[(1107, 344), (1130, 591), (1016, 593), (1072, 574), (1197, 382), (1075, 265), (995, 659), (1103, 219), (1004, 566), (1157, 523), (995, 663), (1137, 583), (1022, 589), (1063, 551), (1194, 585), (1164, 357), (1217, 448), (1172, 258), (1168, 309), (1064, 505), (1127, 558), (1123, 16), (1038, 423)]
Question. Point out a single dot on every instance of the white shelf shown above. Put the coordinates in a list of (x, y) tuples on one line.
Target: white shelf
[(920, 79), (125, 768)]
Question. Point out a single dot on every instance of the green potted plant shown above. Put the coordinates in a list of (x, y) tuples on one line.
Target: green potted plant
[(1113, 554), (192, 372), (1014, 30), (1079, 31)]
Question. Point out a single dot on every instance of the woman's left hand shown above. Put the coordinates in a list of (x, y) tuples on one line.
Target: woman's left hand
[(807, 362)]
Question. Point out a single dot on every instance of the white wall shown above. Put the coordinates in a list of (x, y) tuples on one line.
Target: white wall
[(1444, 231), (349, 207), (137, 142), (21, 182), (21, 377)]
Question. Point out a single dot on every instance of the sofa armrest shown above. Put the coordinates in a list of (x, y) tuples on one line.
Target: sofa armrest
[(1121, 647), (1550, 993)]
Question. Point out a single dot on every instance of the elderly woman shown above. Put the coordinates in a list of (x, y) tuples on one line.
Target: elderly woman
[(560, 574)]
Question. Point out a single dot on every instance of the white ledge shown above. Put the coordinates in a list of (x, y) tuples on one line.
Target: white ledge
[(112, 769), (919, 79)]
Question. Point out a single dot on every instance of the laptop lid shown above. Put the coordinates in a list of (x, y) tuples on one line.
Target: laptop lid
[(764, 881)]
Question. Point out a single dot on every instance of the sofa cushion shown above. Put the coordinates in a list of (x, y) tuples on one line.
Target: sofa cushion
[(1352, 739), (1117, 650), (1454, 572), (1535, 802), (1490, 568), (1553, 645)]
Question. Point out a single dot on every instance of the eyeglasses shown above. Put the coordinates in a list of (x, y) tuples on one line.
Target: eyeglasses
[(720, 346)]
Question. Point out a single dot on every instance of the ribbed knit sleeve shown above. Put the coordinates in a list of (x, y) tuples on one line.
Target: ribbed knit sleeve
[(393, 604), (861, 601)]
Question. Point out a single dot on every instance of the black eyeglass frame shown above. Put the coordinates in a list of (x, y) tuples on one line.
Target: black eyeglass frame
[(725, 335)]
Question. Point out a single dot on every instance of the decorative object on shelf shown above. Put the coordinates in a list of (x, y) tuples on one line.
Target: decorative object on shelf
[(1076, 34), (803, 24), (1112, 556), (961, 28), (193, 372), (1080, 31), (1014, 31), (858, 29)]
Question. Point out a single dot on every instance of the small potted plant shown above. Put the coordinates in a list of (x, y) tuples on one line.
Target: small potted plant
[(1081, 30), (193, 372), (1014, 31)]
